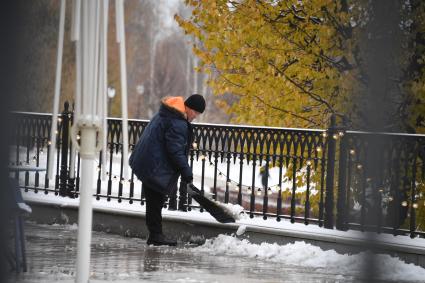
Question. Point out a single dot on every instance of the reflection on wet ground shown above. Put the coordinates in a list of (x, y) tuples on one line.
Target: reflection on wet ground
[(51, 252)]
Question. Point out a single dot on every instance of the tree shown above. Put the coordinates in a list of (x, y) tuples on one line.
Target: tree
[(36, 63), (412, 107), (286, 63), (292, 63), (390, 44)]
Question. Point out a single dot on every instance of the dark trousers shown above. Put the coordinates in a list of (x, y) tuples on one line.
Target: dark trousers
[(154, 204)]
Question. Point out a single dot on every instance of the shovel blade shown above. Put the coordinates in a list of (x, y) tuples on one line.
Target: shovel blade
[(216, 211)]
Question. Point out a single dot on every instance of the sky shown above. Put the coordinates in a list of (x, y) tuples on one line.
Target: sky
[(167, 9)]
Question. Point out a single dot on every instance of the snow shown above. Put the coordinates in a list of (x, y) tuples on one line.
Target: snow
[(167, 9), (235, 210), (298, 253), (241, 230), (309, 256), (222, 179), (208, 174), (51, 250), (256, 223), (273, 252)]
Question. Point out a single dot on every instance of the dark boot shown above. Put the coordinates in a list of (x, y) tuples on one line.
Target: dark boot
[(160, 240)]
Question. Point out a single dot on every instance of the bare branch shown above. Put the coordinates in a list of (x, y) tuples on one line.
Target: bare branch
[(314, 96), (285, 111)]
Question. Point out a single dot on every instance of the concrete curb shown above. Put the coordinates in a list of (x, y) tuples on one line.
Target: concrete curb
[(132, 224)]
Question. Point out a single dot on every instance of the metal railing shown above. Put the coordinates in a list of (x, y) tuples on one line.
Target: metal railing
[(383, 174), (332, 178)]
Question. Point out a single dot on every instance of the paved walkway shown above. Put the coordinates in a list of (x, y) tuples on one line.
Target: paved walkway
[(51, 251)]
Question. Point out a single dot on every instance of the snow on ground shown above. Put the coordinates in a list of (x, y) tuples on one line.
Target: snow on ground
[(52, 251), (309, 256), (298, 253), (257, 222)]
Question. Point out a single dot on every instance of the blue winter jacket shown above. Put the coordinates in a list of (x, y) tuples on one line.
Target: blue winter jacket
[(161, 154)]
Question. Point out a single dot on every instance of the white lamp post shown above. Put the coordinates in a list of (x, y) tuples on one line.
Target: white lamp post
[(89, 31)]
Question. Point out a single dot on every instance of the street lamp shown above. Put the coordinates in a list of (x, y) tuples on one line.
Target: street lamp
[(111, 94), (140, 90)]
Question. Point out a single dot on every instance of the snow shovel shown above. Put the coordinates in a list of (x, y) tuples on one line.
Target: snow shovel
[(214, 208)]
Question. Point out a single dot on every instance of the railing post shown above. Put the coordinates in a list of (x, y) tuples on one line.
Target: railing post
[(71, 181), (330, 169), (64, 174), (265, 183), (342, 185)]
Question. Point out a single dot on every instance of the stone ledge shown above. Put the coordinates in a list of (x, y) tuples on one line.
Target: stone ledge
[(132, 224)]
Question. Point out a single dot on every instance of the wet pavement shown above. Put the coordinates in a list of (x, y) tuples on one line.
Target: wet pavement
[(51, 252)]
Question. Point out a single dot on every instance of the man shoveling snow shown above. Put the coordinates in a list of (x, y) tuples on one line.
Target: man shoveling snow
[(161, 156)]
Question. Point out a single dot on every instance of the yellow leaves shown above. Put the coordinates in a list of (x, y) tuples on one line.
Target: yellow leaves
[(270, 70), (264, 60), (192, 2), (248, 68)]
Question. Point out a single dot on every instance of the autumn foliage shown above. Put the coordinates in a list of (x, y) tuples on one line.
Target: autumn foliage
[(293, 63)]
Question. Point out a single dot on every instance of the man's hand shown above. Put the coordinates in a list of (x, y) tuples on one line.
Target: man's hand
[(192, 190), (187, 179)]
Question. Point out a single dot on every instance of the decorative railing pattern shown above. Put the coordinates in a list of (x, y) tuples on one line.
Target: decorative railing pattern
[(383, 175), (332, 177)]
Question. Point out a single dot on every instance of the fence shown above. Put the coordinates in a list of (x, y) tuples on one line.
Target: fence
[(332, 178)]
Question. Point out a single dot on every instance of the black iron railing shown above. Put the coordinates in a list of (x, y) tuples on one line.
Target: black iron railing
[(383, 175), (332, 177)]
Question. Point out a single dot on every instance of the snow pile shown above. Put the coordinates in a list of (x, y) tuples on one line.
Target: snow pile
[(307, 255)]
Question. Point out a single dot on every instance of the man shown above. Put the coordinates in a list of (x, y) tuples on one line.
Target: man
[(161, 155)]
